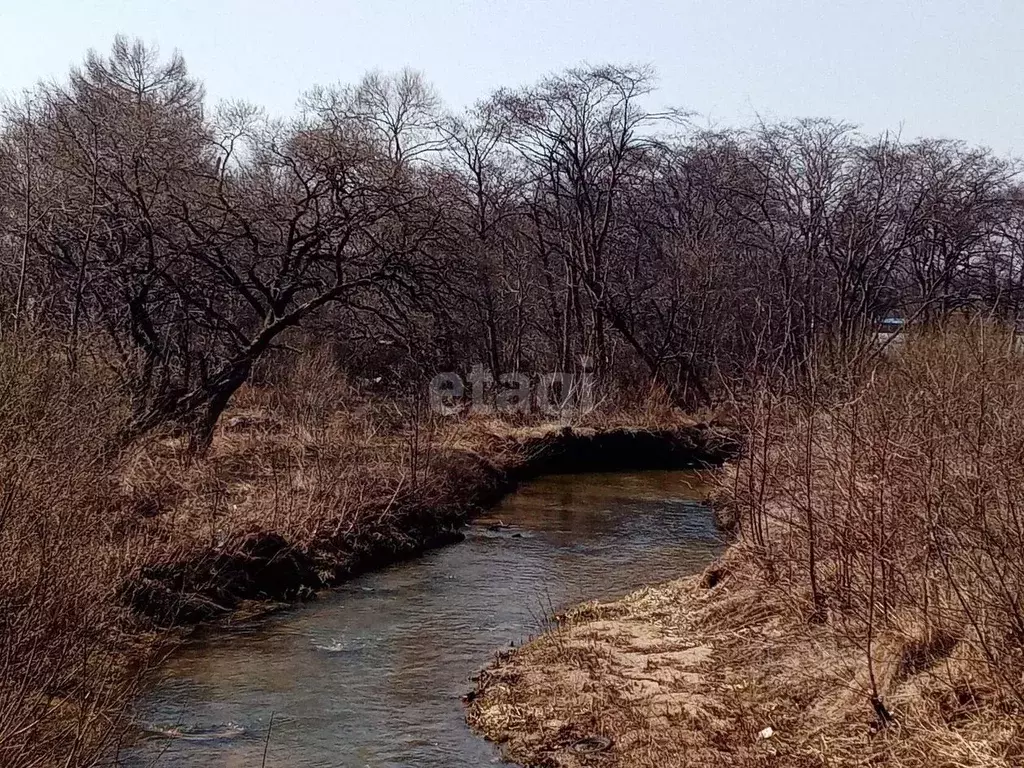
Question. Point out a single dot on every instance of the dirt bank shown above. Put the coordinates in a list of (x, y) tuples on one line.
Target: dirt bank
[(263, 564)]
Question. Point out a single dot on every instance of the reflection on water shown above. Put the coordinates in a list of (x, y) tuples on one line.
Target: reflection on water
[(371, 675)]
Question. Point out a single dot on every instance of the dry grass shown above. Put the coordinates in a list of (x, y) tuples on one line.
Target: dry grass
[(61, 672), (687, 675), (308, 453), (869, 612)]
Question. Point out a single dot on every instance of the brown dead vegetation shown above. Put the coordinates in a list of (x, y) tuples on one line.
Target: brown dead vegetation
[(868, 614), (167, 266)]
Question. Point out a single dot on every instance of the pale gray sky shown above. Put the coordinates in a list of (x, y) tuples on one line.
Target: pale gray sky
[(950, 68)]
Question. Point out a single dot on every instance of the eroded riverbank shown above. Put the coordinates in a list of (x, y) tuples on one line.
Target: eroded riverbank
[(265, 565)]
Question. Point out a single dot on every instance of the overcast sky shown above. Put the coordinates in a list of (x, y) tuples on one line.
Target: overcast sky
[(949, 68)]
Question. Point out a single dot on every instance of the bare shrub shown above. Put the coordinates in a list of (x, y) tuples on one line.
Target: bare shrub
[(61, 674), (896, 513)]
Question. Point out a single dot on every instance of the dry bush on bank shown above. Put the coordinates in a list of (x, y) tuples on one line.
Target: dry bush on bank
[(304, 456), (61, 675), (894, 522)]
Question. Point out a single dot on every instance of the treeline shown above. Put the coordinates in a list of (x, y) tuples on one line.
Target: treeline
[(551, 227)]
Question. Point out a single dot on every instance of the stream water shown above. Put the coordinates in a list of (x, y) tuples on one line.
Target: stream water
[(371, 675)]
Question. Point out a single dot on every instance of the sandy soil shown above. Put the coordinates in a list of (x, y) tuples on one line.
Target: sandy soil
[(718, 670)]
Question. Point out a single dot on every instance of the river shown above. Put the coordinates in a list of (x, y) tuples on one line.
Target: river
[(371, 675)]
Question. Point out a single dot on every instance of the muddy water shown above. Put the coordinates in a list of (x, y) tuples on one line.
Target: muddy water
[(370, 676)]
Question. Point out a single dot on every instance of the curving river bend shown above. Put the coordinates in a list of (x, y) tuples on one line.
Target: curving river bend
[(371, 675)]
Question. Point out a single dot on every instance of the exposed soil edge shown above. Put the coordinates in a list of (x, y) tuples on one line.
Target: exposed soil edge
[(264, 566)]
